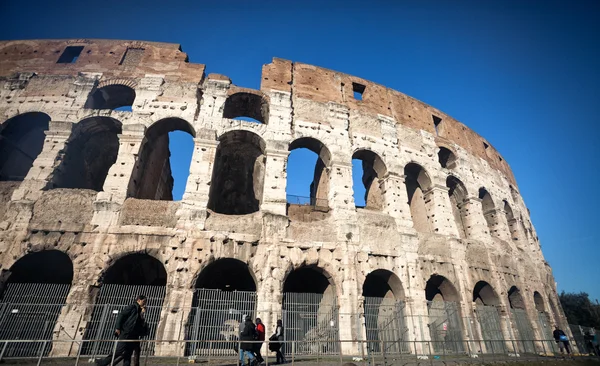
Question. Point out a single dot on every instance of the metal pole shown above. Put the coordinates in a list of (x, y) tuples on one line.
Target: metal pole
[(41, 354), (78, 352), (147, 351), (293, 351), (113, 353)]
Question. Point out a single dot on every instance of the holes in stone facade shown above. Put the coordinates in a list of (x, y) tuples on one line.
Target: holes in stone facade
[(88, 155), (417, 182), (367, 186), (116, 96), (246, 107), (308, 173), (447, 158), (136, 269), (226, 274), (70, 55), (21, 141), (458, 194), (358, 90), (238, 174), (47, 266), (152, 177), (484, 294)]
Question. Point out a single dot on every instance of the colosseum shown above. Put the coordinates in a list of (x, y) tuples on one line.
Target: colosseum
[(441, 258)]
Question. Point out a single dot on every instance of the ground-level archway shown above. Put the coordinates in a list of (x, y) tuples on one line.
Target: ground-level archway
[(129, 276), (445, 326), (310, 311), (487, 305), (525, 336), (224, 293), (32, 299), (384, 309)]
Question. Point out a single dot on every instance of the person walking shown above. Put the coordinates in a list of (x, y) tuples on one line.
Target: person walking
[(130, 326), (279, 335), (247, 336), (589, 343), (260, 337), (561, 339)]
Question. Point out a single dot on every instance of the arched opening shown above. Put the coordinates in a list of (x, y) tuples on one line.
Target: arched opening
[(225, 292), (88, 155), (307, 175), (487, 305), (511, 222), (384, 312), (417, 182), (116, 96), (544, 321), (238, 174), (368, 170), (128, 277), (458, 194), (164, 162), (246, 107), (525, 335), (489, 210), (32, 298), (446, 158), (310, 311), (445, 325), (21, 141)]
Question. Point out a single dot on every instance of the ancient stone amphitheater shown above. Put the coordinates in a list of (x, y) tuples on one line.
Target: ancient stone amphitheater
[(442, 257)]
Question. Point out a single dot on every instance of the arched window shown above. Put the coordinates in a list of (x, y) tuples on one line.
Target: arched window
[(238, 174), (487, 305), (521, 320), (308, 173), (116, 96), (36, 290), (88, 155), (162, 171), (447, 158), (417, 182), (128, 277), (489, 209), (247, 107), (458, 195), (310, 307), (368, 170), (384, 311), (21, 141), (510, 220), (224, 292), (445, 324)]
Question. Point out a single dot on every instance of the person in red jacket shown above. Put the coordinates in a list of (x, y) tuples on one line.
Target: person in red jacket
[(260, 336)]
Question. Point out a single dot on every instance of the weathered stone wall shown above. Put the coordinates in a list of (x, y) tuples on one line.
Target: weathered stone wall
[(295, 101)]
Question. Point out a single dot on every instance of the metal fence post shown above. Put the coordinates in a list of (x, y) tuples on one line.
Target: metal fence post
[(41, 353), (112, 360), (293, 351)]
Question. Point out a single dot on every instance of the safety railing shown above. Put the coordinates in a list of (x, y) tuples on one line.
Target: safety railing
[(350, 351), (317, 203)]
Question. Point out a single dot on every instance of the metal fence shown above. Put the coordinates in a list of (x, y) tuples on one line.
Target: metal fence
[(317, 203), (385, 324)]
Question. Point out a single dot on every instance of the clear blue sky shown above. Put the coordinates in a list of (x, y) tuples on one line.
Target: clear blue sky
[(524, 74)]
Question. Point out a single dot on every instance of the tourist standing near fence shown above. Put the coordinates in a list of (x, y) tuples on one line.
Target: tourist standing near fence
[(260, 336), (561, 339), (247, 337)]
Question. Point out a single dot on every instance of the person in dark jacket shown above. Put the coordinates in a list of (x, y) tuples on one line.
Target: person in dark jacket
[(246, 337), (561, 339), (279, 335), (130, 326), (260, 336)]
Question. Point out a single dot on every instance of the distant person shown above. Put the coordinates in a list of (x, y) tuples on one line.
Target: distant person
[(279, 336), (561, 339), (130, 326), (260, 337), (247, 336)]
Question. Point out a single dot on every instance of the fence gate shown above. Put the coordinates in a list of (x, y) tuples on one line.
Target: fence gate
[(445, 327), (217, 315), (385, 325), (111, 300), (312, 321), (525, 337), (491, 330), (30, 311)]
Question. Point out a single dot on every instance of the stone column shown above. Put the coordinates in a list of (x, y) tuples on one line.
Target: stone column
[(116, 186), (503, 229), (45, 163), (474, 222), (516, 232), (396, 200), (439, 210), (274, 197), (341, 201), (173, 319), (496, 228)]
